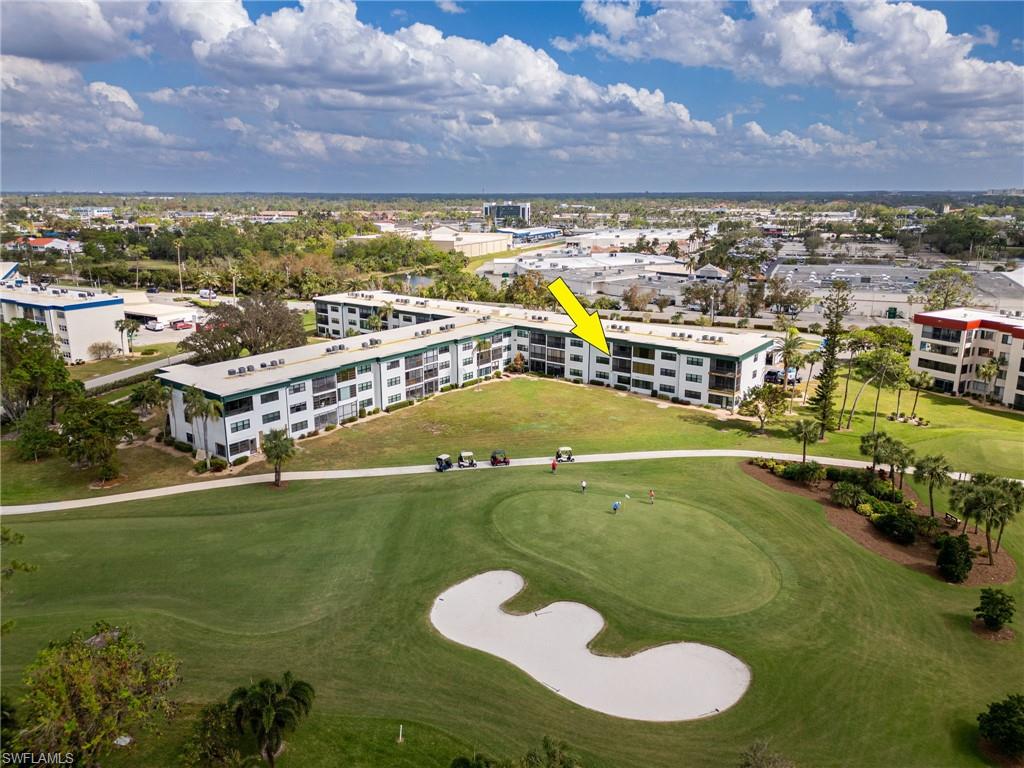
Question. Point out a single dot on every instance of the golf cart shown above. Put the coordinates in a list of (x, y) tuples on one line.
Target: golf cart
[(564, 454), (443, 462), (499, 458), (466, 459)]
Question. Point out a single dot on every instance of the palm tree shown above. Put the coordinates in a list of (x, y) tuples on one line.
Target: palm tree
[(127, 326), (149, 395), (278, 448), (855, 343), (987, 373), (269, 709), (1015, 494), (198, 406), (918, 381), (790, 354), (875, 445), (805, 431), (904, 459), (812, 359), (899, 381), (934, 471), (988, 503)]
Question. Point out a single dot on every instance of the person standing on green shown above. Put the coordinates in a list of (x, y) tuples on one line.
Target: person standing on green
[(583, 486)]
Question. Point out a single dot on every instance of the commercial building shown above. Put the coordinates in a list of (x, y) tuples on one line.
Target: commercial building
[(390, 348), (470, 244), (953, 345), (515, 213), (76, 319)]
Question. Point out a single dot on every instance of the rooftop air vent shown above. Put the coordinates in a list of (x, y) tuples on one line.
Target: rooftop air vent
[(250, 368), (231, 371), (263, 365), (280, 361), (365, 344), (273, 363)]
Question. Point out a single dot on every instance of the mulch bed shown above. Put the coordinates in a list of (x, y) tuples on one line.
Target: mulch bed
[(995, 757), (103, 485), (1003, 635), (919, 556)]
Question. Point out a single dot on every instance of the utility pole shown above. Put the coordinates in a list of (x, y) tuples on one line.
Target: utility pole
[(181, 286)]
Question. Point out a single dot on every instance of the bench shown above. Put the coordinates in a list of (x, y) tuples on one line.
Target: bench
[(953, 520)]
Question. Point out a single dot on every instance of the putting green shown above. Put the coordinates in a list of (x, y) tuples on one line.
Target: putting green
[(713, 569)]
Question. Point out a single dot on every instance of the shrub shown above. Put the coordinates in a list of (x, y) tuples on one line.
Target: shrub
[(218, 464), (1003, 725), (169, 440), (622, 387), (955, 558), (314, 433), (362, 413), (743, 322), (470, 383), (148, 352), (199, 467), (865, 510), (330, 427), (847, 494), (214, 740), (240, 461), (899, 527), (450, 387), (927, 526), (181, 445), (996, 608), (349, 420), (399, 406), (808, 473)]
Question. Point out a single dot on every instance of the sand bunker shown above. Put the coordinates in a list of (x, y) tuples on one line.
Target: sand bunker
[(680, 681)]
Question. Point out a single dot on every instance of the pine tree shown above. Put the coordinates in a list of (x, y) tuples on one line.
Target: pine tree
[(836, 305)]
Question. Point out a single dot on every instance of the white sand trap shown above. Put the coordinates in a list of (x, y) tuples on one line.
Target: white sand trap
[(680, 681)]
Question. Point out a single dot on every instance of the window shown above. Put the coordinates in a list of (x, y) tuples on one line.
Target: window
[(238, 426), (696, 378), (576, 358), (294, 389), (467, 376), (444, 365), (242, 446), (467, 346), (622, 350), (327, 417), (365, 386), (622, 380), (576, 372), (444, 380), (395, 381), (667, 388), (392, 399), (367, 403), (322, 401), (297, 408), (335, 308), (467, 361), (601, 360), (323, 384), (558, 342), (667, 372), (269, 397), (270, 418), (392, 364), (522, 334), (298, 426), (691, 395), (234, 407), (346, 375), (668, 356), (576, 342), (601, 375), (1007, 338), (363, 368), (697, 361), (350, 310), (644, 369), (645, 353)]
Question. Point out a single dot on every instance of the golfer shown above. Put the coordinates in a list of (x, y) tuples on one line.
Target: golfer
[(615, 506), (583, 486), (554, 466), (650, 495)]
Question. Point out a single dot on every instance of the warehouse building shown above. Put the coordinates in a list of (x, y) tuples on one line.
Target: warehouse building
[(389, 348)]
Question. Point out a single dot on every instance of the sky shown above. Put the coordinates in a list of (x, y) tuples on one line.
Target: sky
[(489, 97)]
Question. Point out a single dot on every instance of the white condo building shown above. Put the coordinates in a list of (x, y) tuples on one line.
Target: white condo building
[(77, 319), (390, 348)]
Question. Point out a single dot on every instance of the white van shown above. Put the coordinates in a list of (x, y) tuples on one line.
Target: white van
[(207, 293), (155, 325)]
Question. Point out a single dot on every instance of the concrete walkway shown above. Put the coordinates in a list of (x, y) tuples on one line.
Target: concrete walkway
[(422, 469)]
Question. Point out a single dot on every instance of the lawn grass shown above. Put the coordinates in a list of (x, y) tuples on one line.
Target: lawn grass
[(855, 660), (532, 417), (91, 370)]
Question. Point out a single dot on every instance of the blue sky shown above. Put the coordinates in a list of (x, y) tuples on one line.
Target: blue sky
[(335, 96)]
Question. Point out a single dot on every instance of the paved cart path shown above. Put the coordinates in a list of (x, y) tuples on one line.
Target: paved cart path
[(421, 469)]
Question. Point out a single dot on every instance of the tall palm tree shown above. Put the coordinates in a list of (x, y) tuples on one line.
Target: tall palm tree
[(856, 343), (790, 354), (934, 471), (811, 359), (278, 448), (1015, 494), (989, 504), (987, 373), (903, 460), (805, 431), (876, 446), (919, 380), (198, 406), (269, 709)]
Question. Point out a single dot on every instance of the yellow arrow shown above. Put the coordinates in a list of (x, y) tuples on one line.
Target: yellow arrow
[(588, 325)]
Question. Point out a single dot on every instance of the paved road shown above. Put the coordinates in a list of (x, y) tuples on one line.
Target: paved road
[(422, 469), (112, 378)]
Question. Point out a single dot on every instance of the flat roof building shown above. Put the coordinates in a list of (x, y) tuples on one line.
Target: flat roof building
[(77, 319), (953, 345), (508, 212), (388, 348)]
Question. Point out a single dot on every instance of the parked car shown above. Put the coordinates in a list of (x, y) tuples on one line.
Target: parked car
[(466, 459), (181, 325), (777, 377), (207, 293), (155, 325), (443, 462), (499, 458), (152, 289)]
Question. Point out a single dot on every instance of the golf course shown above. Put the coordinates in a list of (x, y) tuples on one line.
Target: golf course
[(335, 580)]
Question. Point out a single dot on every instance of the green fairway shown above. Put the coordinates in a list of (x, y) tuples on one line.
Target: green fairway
[(627, 551), (856, 660)]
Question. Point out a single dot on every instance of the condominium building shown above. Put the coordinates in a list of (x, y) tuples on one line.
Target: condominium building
[(508, 212), (390, 348), (954, 345), (76, 319)]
